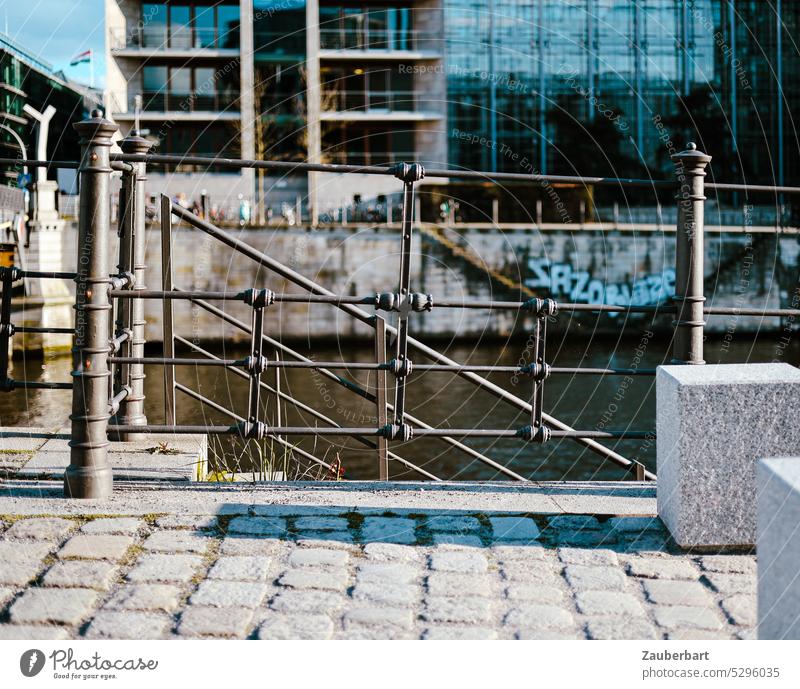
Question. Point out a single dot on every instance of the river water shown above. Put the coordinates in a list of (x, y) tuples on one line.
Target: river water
[(440, 399)]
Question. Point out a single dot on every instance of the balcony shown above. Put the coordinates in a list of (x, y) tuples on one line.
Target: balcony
[(185, 42), (374, 106), (385, 44), (181, 106)]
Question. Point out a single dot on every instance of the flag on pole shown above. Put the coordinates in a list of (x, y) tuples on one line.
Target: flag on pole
[(82, 58)]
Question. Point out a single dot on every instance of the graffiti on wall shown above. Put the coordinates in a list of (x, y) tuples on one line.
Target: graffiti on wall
[(579, 286)]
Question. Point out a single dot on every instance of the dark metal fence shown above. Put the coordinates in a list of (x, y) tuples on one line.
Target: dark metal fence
[(109, 355)]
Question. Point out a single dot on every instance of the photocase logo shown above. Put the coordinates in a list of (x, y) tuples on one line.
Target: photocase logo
[(31, 662)]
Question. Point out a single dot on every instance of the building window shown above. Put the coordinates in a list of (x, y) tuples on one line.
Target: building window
[(189, 25)]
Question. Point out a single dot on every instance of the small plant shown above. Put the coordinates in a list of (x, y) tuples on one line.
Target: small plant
[(163, 448)]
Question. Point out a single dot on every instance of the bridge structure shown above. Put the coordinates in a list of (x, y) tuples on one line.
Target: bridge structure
[(108, 395)]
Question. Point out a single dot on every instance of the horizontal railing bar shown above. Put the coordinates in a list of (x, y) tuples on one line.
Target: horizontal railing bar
[(288, 166), (304, 407), (175, 361), (38, 329), (11, 384), (293, 276), (355, 389), (70, 164), (40, 274), (738, 311), (416, 432)]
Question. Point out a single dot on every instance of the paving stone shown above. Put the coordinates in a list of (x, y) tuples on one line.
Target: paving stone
[(467, 562), (615, 630), (732, 583), (583, 577), (741, 609), (519, 551), (681, 617), (573, 522), (93, 574), (459, 634), (387, 574), (96, 547), (199, 522), (229, 594), (381, 592), (202, 621), (13, 551), (157, 568), (667, 592), (177, 542), (543, 572), (583, 556), (457, 539), (538, 617), (258, 526), (309, 601), (27, 632), (324, 579), (41, 529), (662, 568), (239, 545), (466, 610), (6, 595), (360, 632), (534, 593), (644, 544), (544, 634), (699, 635), (391, 552), (296, 627), (450, 584), (608, 603), (62, 606), (729, 564), (389, 529), (318, 557), (322, 524), (585, 538), (154, 597), (19, 571), (514, 529), (129, 625), (240, 568), (453, 523), (126, 526), (363, 616)]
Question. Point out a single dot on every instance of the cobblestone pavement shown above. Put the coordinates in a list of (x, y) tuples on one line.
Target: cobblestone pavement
[(365, 575)]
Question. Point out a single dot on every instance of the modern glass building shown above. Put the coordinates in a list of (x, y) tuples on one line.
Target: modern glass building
[(556, 86)]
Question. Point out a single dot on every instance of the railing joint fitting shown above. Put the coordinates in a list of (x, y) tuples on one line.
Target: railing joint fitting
[(401, 368), (258, 298), (408, 172), (537, 371), (256, 365), (402, 432), (541, 307), (540, 434)]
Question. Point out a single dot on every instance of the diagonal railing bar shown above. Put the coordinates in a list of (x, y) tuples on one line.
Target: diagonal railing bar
[(218, 407), (304, 407), (304, 282), (361, 392)]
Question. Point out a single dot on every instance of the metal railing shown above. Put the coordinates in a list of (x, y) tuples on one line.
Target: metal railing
[(334, 100), (210, 101), (374, 39), (183, 38), (109, 356)]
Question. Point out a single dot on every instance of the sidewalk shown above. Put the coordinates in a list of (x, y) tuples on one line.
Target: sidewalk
[(342, 560)]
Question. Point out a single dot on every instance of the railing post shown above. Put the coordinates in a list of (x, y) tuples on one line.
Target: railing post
[(131, 412), (690, 166), (170, 413), (89, 473), (382, 414)]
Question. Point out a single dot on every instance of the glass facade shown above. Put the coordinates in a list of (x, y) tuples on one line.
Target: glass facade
[(559, 86)]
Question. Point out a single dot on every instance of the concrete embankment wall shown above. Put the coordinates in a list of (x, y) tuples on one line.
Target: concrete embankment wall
[(758, 270)]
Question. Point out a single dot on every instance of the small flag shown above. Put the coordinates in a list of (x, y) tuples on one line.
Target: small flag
[(80, 59)]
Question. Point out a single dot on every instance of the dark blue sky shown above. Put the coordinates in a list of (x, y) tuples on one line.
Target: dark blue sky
[(57, 30)]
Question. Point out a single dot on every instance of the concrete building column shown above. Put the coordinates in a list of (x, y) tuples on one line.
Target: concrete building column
[(313, 104), (247, 104)]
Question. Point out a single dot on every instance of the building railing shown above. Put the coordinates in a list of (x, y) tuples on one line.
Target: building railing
[(185, 38), (334, 100), (384, 40), (109, 354), (163, 101)]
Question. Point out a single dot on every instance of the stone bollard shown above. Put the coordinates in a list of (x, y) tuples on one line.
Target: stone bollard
[(779, 548), (713, 424)]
